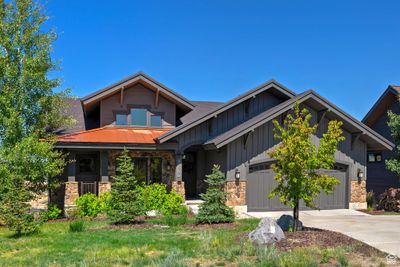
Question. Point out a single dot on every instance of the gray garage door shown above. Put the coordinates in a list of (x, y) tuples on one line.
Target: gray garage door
[(260, 182)]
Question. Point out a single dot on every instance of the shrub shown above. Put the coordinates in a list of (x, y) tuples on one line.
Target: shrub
[(89, 205), (390, 200), (125, 202), (77, 226), (53, 212), (370, 199), (155, 197), (214, 208)]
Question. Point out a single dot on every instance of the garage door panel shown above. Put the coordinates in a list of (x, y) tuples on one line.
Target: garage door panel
[(261, 183)]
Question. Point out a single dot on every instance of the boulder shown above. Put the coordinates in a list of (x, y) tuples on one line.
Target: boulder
[(286, 222), (267, 232)]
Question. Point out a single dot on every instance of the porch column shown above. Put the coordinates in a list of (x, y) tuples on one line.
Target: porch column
[(71, 186), (178, 185), (104, 184)]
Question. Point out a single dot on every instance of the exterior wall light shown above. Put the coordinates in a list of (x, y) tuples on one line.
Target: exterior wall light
[(237, 174), (360, 175)]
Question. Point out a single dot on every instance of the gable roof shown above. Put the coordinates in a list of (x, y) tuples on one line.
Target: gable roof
[(143, 78), (373, 139), (381, 105), (201, 107), (269, 85)]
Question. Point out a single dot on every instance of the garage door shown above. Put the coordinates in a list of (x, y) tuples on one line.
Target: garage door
[(260, 182)]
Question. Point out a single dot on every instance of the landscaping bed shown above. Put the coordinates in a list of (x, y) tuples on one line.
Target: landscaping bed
[(152, 243)]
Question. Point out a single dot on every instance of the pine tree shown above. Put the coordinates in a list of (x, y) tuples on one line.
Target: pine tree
[(214, 208), (125, 202)]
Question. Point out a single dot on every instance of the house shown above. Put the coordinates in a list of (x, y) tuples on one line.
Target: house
[(380, 178), (176, 141)]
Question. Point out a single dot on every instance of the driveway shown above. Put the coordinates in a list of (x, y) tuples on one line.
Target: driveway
[(379, 231)]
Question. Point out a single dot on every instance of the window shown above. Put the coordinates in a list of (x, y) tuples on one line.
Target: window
[(155, 170), (86, 165), (140, 168), (155, 121), (374, 157), (121, 119), (139, 117)]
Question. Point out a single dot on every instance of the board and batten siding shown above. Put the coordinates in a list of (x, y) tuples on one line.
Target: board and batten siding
[(227, 120), (137, 96), (261, 140)]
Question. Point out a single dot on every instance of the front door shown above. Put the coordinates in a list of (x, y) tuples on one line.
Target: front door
[(189, 174)]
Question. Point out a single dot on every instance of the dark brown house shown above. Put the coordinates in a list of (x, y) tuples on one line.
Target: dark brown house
[(176, 141), (380, 178)]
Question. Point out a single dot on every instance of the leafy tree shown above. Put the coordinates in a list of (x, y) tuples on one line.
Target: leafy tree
[(29, 110), (299, 160), (214, 208), (125, 202), (394, 125)]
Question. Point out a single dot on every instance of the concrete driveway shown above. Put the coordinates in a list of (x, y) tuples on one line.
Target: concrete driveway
[(379, 231)]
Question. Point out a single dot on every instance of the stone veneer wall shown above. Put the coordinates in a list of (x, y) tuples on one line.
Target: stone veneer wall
[(168, 159), (358, 195), (71, 193), (40, 202), (179, 187), (236, 193), (104, 187)]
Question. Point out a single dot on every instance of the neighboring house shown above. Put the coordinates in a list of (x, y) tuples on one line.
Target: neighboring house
[(176, 141), (380, 178)]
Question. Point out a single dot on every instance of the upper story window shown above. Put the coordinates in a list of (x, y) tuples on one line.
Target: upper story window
[(138, 117), (155, 121), (121, 119), (374, 157)]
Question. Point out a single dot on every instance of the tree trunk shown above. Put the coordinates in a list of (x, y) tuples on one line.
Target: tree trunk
[(296, 215)]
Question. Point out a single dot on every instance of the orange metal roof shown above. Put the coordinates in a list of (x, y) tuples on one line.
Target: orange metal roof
[(114, 135)]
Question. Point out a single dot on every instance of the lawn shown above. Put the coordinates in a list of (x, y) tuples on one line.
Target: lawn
[(153, 244)]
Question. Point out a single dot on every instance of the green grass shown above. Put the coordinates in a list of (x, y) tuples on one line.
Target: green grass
[(55, 245)]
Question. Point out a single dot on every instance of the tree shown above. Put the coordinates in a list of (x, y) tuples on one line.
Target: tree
[(214, 208), (394, 125), (125, 201), (298, 160), (29, 110)]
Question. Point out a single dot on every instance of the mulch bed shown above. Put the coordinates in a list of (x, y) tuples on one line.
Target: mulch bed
[(211, 226), (312, 237)]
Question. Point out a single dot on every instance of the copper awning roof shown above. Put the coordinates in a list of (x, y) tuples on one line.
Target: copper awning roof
[(114, 135)]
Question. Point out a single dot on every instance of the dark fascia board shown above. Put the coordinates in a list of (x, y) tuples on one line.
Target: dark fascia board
[(85, 145), (235, 101), (272, 113), (390, 89), (132, 78)]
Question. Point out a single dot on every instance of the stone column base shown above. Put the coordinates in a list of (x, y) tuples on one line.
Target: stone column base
[(358, 205), (41, 201), (179, 187), (104, 187), (236, 193), (71, 194)]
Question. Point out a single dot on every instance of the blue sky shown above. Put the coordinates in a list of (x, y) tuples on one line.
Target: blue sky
[(348, 51)]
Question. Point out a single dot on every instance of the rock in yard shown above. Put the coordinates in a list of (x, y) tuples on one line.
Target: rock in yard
[(267, 232), (286, 223)]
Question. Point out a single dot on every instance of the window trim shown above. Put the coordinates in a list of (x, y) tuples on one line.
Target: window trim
[(146, 113), (375, 155)]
